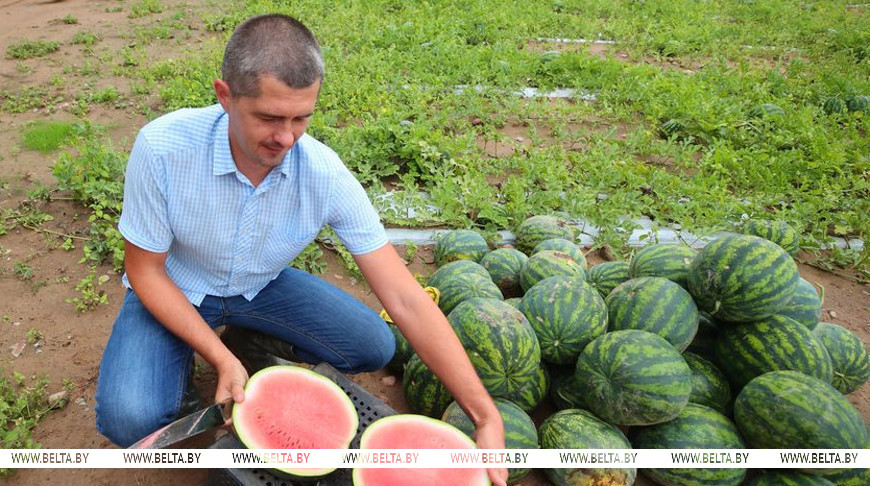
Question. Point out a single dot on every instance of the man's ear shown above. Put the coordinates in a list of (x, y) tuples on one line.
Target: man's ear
[(222, 90)]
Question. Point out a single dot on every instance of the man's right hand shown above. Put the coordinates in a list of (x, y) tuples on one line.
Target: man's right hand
[(231, 380)]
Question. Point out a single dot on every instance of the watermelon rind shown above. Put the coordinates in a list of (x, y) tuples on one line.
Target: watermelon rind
[(546, 264), (697, 427), (791, 410), (704, 342), (539, 228), (633, 377), (460, 245), (565, 246), (340, 439), (859, 476), (452, 269), (849, 357), (666, 260), (580, 429), (805, 305), (788, 478), (504, 266), (532, 390), (403, 353), (775, 231), (709, 385), (607, 275), (424, 392), (459, 288)]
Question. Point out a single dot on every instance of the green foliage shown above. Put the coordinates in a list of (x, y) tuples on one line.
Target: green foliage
[(34, 335), (46, 136), (92, 295), (310, 260), (22, 407), (69, 19), (23, 271), (145, 8), (85, 38), (31, 49)]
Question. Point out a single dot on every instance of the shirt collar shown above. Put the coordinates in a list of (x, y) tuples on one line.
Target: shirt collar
[(223, 157)]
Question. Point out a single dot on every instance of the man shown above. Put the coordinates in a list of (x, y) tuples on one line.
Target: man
[(217, 200)]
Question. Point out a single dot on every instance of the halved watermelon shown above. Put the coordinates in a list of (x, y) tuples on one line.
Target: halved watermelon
[(409, 431), (288, 407)]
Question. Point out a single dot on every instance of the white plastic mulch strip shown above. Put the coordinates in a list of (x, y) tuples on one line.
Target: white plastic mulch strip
[(533, 92), (556, 40)]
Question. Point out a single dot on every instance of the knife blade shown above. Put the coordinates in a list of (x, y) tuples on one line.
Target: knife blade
[(186, 427)]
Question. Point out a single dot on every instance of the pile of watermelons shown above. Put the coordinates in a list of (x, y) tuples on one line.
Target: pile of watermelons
[(675, 348)]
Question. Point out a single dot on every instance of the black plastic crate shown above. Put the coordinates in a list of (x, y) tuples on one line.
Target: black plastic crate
[(368, 408)]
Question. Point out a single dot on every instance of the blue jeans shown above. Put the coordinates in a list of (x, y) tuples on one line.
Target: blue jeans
[(145, 368)]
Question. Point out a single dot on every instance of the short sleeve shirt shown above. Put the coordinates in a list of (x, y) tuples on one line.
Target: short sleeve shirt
[(184, 195)]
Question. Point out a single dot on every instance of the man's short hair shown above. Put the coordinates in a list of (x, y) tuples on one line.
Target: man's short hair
[(271, 45)]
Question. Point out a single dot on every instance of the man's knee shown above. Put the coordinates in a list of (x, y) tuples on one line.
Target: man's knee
[(125, 421), (378, 351)]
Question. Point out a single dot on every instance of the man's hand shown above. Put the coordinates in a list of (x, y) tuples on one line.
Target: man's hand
[(490, 435), (231, 381)]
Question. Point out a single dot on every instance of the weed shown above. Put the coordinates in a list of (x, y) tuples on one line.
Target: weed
[(410, 251), (70, 19), (22, 407), (310, 260), (91, 293), (22, 271), (31, 49), (85, 38), (34, 335), (46, 136), (144, 8)]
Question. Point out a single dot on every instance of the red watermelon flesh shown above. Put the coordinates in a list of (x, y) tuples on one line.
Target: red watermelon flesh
[(288, 407), (409, 431)]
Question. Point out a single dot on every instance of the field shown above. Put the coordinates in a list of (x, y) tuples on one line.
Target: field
[(622, 115)]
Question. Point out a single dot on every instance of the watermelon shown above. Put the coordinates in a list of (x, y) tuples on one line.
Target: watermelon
[(564, 392), (704, 343), (777, 231), (788, 478), (633, 377), (532, 390), (607, 275), (452, 269), (500, 343), (849, 357), (745, 351), (697, 427), (805, 305), (767, 110), (403, 353), (519, 430), (579, 429), (654, 304), (858, 103), (850, 477), (539, 228), (833, 106), (791, 410), (709, 385), (463, 287), (671, 128), (503, 266), (566, 314), (546, 264), (460, 245), (408, 431), (288, 407), (565, 246), (424, 392), (742, 278), (514, 302), (666, 260)]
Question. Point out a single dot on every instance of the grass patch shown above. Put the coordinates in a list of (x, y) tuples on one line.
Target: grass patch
[(46, 136), (22, 407), (31, 49)]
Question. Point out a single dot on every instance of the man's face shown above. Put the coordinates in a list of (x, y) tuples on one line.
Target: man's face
[(262, 129)]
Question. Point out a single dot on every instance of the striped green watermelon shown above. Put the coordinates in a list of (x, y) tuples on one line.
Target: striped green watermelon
[(704, 343), (671, 128), (777, 231), (504, 265), (607, 275), (788, 478), (514, 301), (833, 106), (747, 350), (709, 385), (532, 392), (742, 278), (403, 353), (463, 287), (666, 260), (539, 228), (849, 356), (805, 305), (654, 304), (791, 410), (767, 110), (858, 103), (424, 392), (565, 246), (697, 427), (563, 392), (459, 267), (633, 378), (460, 245), (500, 343), (579, 429), (566, 314), (519, 430), (546, 264), (850, 477)]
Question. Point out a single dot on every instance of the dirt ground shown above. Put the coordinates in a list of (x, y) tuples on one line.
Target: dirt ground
[(72, 341)]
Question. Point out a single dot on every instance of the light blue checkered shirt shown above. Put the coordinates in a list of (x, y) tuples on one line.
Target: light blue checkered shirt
[(183, 195)]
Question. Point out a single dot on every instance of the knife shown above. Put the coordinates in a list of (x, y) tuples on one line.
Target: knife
[(186, 427)]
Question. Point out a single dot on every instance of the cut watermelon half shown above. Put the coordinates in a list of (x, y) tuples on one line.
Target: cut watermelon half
[(409, 431), (288, 407)]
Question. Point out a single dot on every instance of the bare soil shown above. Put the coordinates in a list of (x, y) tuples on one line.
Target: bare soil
[(73, 342)]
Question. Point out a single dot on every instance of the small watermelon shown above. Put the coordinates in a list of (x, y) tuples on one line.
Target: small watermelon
[(519, 430), (566, 314), (805, 305), (633, 378), (539, 228), (607, 275), (460, 245), (452, 269), (565, 246), (777, 231), (666, 260), (407, 431), (671, 128), (742, 278), (791, 410), (579, 429), (745, 351), (849, 356), (697, 427), (834, 106), (504, 266), (546, 264), (403, 353), (788, 478), (850, 477), (858, 103), (767, 110), (424, 392), (654, 304), (323, 416), (463, 287), (709, 385)]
